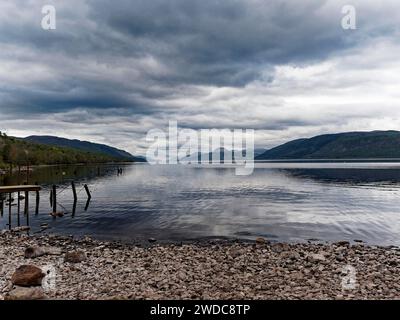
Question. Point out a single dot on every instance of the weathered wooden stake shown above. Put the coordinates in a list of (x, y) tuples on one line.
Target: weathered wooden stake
[(9, 211), (27, 207), (37, 202), (87, 204), (87, 192), (74, 209), (19, 203), (19, 210), (74, 191), (54, 198), (26, 202)]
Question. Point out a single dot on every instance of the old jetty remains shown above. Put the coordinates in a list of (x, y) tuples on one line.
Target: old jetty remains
[(7, 199), (26, 189)]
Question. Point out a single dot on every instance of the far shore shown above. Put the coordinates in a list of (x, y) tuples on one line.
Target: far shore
[(92, 269), (6, 170)]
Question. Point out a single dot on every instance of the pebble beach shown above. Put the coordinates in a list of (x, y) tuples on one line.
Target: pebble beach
[(54, 267)]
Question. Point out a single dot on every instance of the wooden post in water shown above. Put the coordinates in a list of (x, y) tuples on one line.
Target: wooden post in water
[(75, 198), (88, 192), (87, 204), (27, 207), (19, 209), (19, 204), (54, 198), (26, 202), (89, 197), (37, 202), (73, 209), (9, 211), (74, 191), (1, 205)]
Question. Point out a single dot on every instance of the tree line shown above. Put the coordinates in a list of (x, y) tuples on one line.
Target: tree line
[(17, 152)]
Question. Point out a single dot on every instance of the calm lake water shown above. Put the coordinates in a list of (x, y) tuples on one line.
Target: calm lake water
[(279, 201)]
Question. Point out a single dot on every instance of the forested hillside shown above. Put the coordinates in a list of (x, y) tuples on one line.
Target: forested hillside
[(17, 152), (348, 145)]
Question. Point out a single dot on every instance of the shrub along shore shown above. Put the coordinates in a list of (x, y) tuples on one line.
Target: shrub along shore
[(53, 267)]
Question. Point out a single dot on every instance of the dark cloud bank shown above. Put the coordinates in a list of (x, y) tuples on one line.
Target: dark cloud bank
[(114, 69)]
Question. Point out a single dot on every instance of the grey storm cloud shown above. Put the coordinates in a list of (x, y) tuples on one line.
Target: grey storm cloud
[(205, 63)]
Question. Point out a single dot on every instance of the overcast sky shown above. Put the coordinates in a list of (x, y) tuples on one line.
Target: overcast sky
[(112, 70)]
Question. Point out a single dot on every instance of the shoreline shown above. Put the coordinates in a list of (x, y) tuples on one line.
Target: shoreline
[(145, 242), (93, 269), (5, 170)]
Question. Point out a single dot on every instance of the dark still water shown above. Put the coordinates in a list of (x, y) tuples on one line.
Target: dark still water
[(279, 201)]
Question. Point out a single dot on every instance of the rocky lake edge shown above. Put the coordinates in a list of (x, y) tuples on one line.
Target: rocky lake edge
[(58, 267)]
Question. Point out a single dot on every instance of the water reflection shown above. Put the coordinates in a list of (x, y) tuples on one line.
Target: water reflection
[(349, 176), (288, 203), (49, 175)]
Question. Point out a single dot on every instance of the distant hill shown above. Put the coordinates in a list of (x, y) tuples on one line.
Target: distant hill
[(85, 146), (349, 145), (207, 157), (259, 151), (19, 152)]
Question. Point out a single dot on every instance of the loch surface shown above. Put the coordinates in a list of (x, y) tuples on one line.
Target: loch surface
[(279, 201)]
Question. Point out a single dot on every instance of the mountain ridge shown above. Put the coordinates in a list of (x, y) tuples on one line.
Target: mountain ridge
[(345, 145), (15, 151), (84, 146)]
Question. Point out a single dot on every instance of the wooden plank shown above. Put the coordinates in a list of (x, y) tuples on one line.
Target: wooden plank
[(23, 188)]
